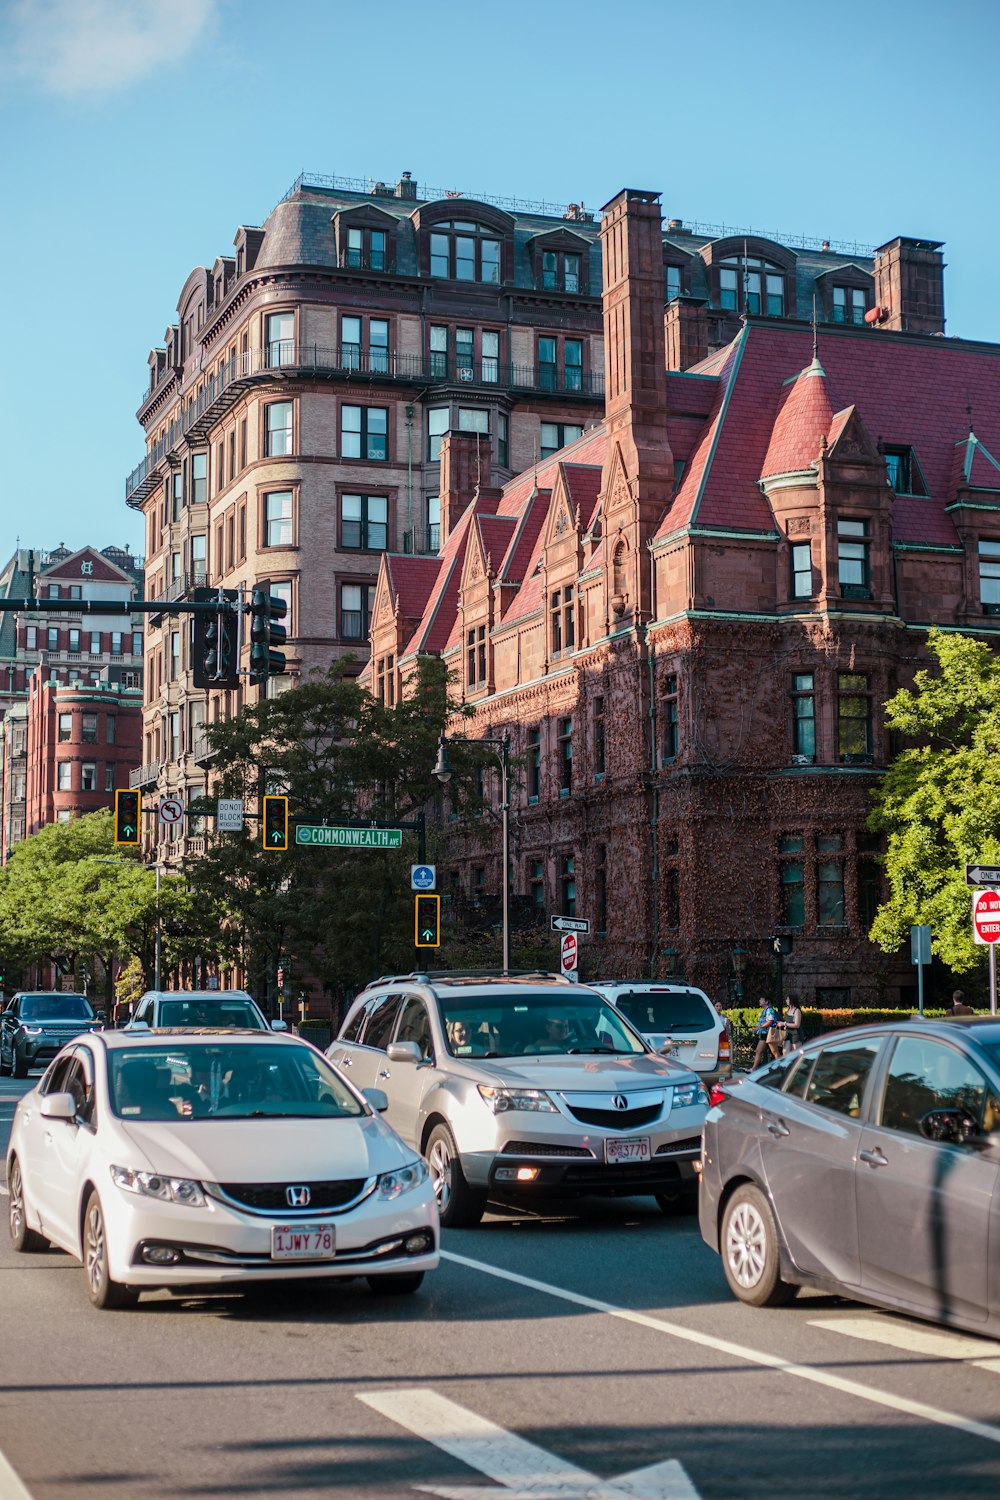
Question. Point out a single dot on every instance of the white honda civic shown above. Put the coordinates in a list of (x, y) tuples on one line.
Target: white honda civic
[(208, 1159)]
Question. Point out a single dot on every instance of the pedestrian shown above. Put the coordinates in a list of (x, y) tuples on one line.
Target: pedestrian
[(767, 1032), (958, 1005), (791, 1026)]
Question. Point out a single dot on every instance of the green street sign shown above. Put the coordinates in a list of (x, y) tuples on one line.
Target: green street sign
[(349, 838)]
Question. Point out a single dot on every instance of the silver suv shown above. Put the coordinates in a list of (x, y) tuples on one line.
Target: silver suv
[(523, 1085), (675, 1018)]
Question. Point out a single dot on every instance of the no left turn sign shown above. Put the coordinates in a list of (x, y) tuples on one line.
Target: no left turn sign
[(986, 916), (171, 809)]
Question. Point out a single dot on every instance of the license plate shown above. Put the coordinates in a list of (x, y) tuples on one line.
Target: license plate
[(627, 1148), (302, 1242)]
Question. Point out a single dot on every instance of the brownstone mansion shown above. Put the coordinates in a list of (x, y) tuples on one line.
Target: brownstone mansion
[(688, 619)]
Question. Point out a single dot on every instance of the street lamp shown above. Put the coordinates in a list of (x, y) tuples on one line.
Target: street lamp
[(670, 957), (443, 772), (739, 958)]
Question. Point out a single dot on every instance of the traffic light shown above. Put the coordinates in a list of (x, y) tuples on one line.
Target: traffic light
[(427, 921), (128, 823), (274, 823), (214, 656), (266, 635)]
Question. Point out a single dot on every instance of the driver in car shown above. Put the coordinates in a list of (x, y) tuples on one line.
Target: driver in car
[(556, 1037)]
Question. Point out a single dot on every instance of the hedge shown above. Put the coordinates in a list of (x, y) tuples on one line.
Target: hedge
[(744, 1018)]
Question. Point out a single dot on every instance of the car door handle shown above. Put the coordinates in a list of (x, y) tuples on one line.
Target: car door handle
[(343, 1062), (873, 1158), (778, 1128)]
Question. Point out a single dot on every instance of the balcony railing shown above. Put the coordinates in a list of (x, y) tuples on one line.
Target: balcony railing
[(145, 775), (284, 359), (423, 542)]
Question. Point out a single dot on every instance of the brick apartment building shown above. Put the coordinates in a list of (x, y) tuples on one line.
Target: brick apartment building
[(69, 679), (689, 618), (295, 413)]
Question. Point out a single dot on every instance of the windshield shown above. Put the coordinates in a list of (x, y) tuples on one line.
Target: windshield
[(666, 1010), (56, 1008), (528, 1024), (238, 1013), (234, 1082)]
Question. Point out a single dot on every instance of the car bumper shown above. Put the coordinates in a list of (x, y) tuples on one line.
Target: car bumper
[(217, 1245), (537, 1168)]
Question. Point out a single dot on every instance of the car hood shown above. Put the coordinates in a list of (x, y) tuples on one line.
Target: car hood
[(267, 1150), (589, 1072)]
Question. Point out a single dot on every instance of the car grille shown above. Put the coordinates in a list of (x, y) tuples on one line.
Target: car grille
[(622, 1177), (269, 1197), (544, 1148), (681, 1148), (617, 1119)]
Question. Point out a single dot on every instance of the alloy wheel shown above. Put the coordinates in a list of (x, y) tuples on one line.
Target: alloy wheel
[(746, 1245), (440, 1164), (16, 1202), (96, 1249)]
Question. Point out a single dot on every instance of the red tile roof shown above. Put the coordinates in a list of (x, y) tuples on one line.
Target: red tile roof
[(411, 580), (805, 416)]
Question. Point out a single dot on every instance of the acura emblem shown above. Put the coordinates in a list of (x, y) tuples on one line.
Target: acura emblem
[(619, 1101), (298, 1197)]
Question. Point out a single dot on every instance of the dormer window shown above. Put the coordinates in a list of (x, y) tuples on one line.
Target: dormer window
[(674, 276), (904, 471), (560, 271), (365, 248), (753, 285), (848, 304), (462, 250)]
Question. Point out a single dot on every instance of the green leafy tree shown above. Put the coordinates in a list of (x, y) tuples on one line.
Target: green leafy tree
[(339, 754), (939, 803)]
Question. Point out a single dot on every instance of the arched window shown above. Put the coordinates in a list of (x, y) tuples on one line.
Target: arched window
[(752, 284), (462, 250)]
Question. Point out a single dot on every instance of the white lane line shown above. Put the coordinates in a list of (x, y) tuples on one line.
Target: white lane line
[(531, 1472), (11, 1485), (826, 1378), (915, 1340), (4, 1192)]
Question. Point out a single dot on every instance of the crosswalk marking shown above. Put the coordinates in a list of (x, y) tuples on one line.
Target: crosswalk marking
[(913, 1339)]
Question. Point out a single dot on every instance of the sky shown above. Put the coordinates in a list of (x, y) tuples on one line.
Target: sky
[(139, 134)]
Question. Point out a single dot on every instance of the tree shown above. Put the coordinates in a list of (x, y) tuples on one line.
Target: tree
[(339, 754), (939, 804)]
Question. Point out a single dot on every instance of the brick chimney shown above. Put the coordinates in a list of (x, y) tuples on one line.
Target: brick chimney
[(685, 332), (465, 465), (909, 284), (639, 468)]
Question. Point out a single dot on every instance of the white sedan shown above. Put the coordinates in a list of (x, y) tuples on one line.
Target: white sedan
[(210, 1159)]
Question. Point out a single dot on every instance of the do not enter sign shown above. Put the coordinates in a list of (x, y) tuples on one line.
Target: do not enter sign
[(568, 952), (986, 916)]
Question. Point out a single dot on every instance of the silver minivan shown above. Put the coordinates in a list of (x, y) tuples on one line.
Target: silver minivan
[(674, 1018)]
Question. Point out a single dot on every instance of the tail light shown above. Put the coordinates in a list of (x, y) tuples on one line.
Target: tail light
[(724, 1050), (716, 1095)]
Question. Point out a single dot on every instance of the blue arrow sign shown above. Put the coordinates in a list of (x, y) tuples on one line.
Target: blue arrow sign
[(423, 877)]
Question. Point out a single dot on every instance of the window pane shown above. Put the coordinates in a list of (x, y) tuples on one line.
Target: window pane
[(924, 1076), (350, 520), (473, 419), (830, 894), (439, 255), (793, 911), (465, 259), (350, 431), (840, 1074), (438, 422), (490, 252)]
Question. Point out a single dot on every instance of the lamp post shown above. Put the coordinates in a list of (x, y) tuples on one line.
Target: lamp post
[(670, 957), (443, 772), (739, 958), (156, 960)]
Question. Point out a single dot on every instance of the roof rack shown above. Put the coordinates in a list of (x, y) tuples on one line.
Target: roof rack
[(473, 976)]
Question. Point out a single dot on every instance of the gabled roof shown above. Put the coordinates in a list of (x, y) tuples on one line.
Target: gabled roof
[(804, 419), (411, 580), (975, 466)]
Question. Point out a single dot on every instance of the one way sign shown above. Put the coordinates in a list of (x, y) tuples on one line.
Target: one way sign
[(982, 875)]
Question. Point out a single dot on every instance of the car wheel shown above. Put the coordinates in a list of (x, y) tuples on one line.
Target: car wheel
[(397, 1285), (460, 1205), (102, 1291), (23, 1239), (750, 1250), (678, 1202), (18, 1066)]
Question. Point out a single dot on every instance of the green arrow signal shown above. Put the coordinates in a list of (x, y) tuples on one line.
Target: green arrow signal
[(427, 934), (276, 836), (128, 828)]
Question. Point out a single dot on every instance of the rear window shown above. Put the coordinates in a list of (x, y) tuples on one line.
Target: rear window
[(666, 1010), (209, 1013)]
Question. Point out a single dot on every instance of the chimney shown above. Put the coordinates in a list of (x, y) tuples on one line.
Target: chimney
[(639, 468), (685, 331), (406, 187), (909, 283), (465, 467)]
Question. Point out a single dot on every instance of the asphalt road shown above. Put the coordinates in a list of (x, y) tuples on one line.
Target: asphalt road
[(604, 1338)]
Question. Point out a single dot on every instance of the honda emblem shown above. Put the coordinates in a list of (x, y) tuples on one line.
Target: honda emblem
[(298, 1197)]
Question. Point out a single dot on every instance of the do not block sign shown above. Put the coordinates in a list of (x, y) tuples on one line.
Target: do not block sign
[(986, 916)]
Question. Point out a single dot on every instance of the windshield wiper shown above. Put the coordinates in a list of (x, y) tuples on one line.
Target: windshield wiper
[(606, 1051)]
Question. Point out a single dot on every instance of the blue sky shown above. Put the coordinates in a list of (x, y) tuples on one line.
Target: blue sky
[(138, 134)]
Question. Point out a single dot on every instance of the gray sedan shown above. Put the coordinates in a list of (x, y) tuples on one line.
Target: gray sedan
[(867, 1164)]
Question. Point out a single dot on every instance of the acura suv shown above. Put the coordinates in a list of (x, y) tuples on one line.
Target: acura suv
[(524, 1086)]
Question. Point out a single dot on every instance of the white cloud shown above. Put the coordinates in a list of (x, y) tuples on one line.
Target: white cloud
[(78, 47)]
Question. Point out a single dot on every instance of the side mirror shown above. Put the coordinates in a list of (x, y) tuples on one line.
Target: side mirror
[(279, 1025), (404, 1052), (378, 1098), (58, 1107), (136, 1026)]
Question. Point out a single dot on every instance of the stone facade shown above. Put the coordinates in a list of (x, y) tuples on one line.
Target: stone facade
[(688, 621)]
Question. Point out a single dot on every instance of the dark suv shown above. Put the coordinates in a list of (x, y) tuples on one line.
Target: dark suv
[(36, 1024)]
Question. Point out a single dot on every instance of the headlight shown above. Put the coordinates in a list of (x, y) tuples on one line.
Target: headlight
[(528, 1099), (686, 1094), (391, 1184), (32, 1030), (152, 1185)]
